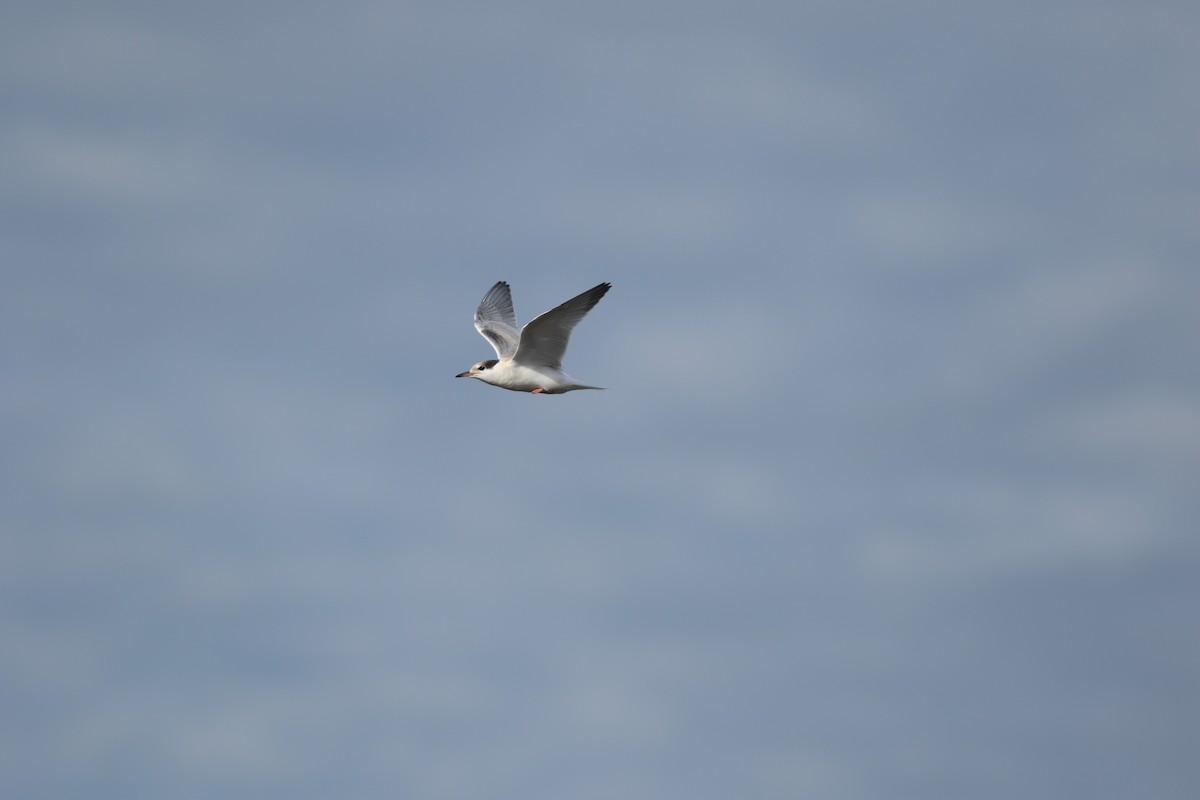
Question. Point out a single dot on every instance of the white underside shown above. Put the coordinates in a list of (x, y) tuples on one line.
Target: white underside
[(520, 378)]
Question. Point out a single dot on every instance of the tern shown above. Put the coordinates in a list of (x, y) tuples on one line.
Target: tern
[(529, 359)]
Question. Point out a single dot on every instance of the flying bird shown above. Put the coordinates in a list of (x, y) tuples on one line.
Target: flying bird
[(529, 359)]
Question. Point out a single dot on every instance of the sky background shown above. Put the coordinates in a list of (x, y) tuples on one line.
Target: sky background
[(893, 493)]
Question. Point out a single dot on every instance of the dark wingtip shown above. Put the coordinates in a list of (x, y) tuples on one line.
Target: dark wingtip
[(595, 293)]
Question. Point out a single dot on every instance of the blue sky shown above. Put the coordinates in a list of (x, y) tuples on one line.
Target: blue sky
[(892, 493)]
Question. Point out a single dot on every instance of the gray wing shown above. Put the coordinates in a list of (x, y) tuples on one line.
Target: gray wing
[(544, 340), (496, 320)]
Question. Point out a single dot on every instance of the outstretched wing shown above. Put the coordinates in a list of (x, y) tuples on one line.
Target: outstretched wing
[(496, 320), (544, 340)]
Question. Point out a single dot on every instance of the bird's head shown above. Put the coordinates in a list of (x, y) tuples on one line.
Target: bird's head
[(477, 370)]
